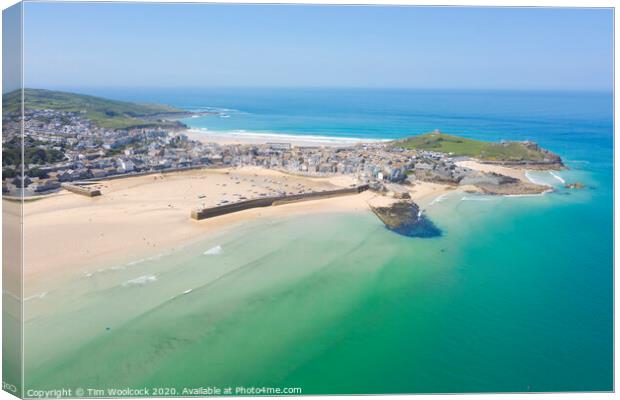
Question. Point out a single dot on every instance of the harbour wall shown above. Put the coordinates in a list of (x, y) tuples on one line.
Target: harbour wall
[(83, 190), (216, 211)]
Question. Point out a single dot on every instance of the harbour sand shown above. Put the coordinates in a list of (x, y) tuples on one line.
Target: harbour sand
[(140, 216)]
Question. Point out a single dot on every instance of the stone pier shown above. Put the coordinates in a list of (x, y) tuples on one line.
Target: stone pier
[(83, 190), (209, 212)]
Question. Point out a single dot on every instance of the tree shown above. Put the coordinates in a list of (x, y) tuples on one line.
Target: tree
[(37, 173), (8, 173)]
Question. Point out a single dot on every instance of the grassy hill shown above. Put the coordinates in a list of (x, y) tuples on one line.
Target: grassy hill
[(105, 113), (488, 151)]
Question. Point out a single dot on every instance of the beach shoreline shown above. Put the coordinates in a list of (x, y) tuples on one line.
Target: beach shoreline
[(142, 216), (243, 137), (138, 217)]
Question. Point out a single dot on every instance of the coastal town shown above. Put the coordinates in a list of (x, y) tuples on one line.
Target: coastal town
[(67, 149), (64, 147)]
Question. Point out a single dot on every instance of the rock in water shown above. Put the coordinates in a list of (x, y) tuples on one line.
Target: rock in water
[(405, 218), (576, 185)]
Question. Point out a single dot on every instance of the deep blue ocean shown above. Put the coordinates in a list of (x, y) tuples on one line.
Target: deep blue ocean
[(577, 125), (516, 295)]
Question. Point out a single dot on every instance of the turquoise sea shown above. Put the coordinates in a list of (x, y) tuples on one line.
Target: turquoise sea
[(516, 294)]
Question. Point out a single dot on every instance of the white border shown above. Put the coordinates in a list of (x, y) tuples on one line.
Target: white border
[(482, 3)]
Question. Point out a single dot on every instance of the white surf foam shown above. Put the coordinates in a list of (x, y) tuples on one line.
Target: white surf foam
[(36, 296), (556, 176), (213, 251), (438, 199), (156, 257), (141, 280), (136, 262), (529, 195), (105, 270), (476, 198), (533, 179), (12, 295), (283, 137)]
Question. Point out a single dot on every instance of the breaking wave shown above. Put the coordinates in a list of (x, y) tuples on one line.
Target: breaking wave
[(141, 280), (529, 195), (213, 251), (556, 176), (476, 198), (438, 199), (36, 296), (283, 137), (534, 180)]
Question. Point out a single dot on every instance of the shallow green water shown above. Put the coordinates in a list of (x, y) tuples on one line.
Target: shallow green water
[(515, 296)]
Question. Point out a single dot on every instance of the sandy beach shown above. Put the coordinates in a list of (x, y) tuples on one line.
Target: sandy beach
[(518, 173), (242, 137), (146, 215), (141, 216)]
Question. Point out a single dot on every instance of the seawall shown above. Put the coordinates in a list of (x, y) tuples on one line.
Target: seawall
[(211, 212), (83, 190)]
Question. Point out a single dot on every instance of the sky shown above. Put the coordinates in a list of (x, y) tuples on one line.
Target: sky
[(201, 45)]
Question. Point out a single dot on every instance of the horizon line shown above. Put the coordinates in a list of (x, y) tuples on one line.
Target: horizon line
[(316, 87)]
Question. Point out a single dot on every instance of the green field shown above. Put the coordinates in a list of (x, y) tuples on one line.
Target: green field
[(460, 146), (111, 114)]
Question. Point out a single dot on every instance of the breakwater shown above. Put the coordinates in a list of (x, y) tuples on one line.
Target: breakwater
[(83, 190), (210, 212)]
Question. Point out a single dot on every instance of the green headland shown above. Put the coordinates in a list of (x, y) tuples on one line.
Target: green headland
[(525, 152), (105, 113)]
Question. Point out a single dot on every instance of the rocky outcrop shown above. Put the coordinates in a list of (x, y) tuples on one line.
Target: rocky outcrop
[(486, 182), (406, 218), (516, 188), (476, 178), (544, 165), (543, 160), (576, 185), (496, 184)]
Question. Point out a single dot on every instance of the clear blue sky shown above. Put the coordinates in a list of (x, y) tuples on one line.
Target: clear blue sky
[(198, 45)]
